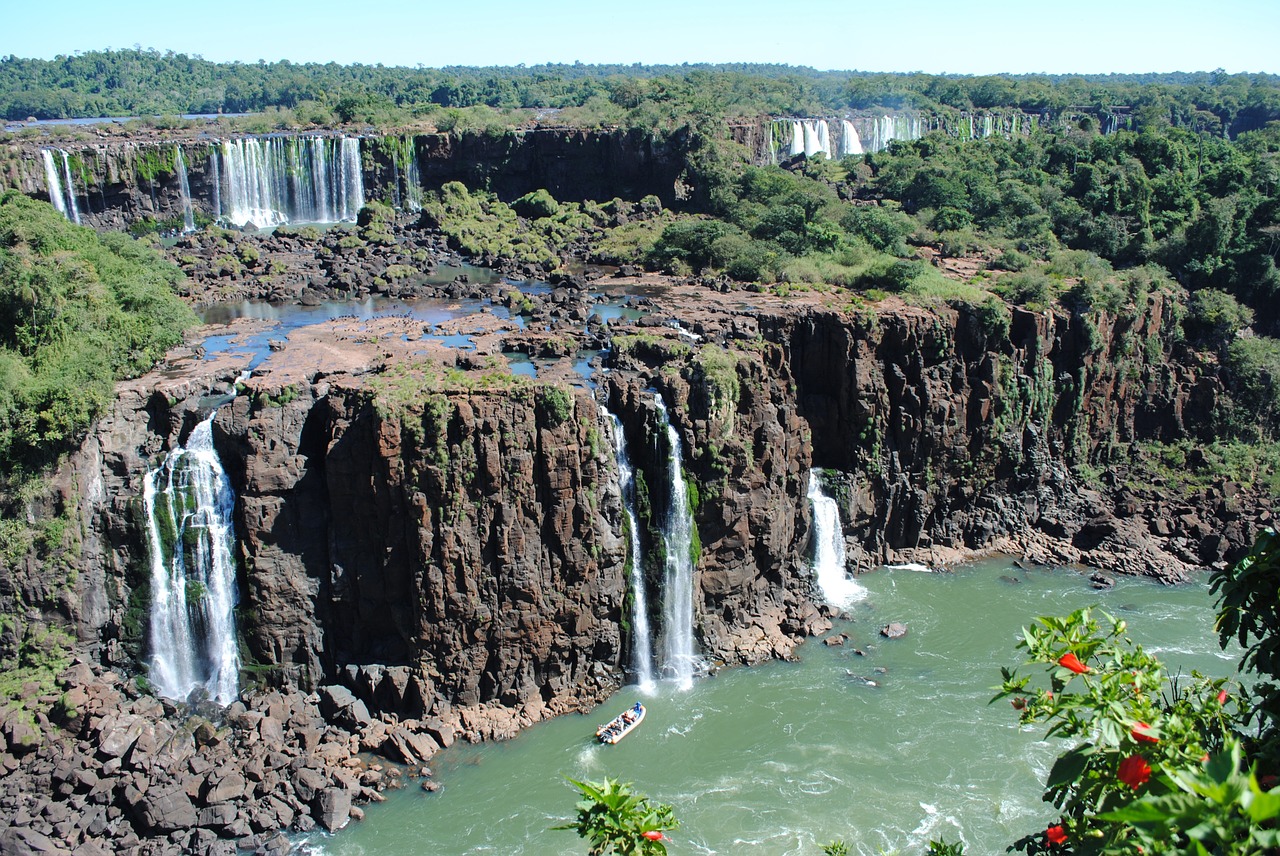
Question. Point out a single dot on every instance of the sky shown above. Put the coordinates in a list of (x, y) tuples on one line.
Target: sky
[(933, 36)]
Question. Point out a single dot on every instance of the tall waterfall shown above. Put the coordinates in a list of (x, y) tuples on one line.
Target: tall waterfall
[(412, 180), (275, 180), (850, 143), (886, 129), (810, 137), (641, 637), (679, 658), (828, 552), (184, 188), (61, 186), (193, 589)]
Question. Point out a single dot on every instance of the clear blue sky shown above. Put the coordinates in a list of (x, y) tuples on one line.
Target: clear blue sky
[(958, 36)]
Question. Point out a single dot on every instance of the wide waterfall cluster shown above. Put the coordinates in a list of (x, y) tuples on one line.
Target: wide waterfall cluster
[(193, 587), (269, 181)]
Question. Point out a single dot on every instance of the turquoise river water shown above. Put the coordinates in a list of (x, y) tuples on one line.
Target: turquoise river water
[(783, 757)]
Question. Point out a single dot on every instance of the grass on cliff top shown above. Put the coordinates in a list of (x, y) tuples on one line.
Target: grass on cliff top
[(404, 387), (1184, 467)]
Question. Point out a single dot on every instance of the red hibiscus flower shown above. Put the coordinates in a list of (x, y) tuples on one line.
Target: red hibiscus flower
[(1222, 697), (1134, 771), (1070, 661), (652, 835), (1056, 835), (1141, 732)]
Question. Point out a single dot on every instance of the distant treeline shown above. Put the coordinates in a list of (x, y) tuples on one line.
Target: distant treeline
[(151, 83)]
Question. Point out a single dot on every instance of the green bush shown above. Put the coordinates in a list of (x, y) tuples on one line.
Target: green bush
[(78, 311), (537, 204)]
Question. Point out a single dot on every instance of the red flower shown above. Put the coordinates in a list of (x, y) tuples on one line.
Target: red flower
[(1141, 732), (1056, 834), (1222, 697), (1134, 771), (1019, 703), (652, 835), (1070, 661)]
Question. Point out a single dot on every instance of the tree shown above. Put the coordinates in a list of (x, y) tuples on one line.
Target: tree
[(617, 821)]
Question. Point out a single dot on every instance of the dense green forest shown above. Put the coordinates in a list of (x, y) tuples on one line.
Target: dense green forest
[(78, 311), (147, 82)]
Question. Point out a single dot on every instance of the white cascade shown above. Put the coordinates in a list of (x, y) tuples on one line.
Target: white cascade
[(184, 188), (61, 188), (275, 180), (838, 588), (193, 590), (850, 143), (817, 137), (412, 180), (680, 661), (797, 137), (987, 126), (70, 187), (642, 637), (53, 182)]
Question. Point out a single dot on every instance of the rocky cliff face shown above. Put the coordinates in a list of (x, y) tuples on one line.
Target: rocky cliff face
[(119, 182), (453, 555)]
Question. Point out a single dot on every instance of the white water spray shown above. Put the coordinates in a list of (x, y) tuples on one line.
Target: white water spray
[(642, 637), (193, 591), (838, 588), (271, 181), (60, 186), (850, 143), (680, 661), (184, 189)]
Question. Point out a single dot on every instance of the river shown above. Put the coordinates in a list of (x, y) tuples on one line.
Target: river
[(783, 757)]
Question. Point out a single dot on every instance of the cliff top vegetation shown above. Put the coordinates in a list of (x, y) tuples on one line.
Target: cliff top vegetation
[(151, 83)]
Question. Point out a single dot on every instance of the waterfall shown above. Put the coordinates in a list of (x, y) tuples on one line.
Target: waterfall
[(184, 188), (412, 180), (886, 129), (641, 637), (850, 144), (797, 137), (61, 187), (188, 502), (679, 659), (277, 180), (987, 126), (837, 587)]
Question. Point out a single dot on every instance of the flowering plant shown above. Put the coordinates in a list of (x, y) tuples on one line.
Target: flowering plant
[(1154, 767)]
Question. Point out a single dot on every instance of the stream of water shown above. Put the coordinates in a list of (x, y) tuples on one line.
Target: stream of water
[(783, 757)]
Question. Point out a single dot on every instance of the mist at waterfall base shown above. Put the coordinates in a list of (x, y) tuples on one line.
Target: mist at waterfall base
[(783, 757), (188, 501)]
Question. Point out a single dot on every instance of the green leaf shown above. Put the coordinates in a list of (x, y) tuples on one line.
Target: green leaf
[(1069, 766)]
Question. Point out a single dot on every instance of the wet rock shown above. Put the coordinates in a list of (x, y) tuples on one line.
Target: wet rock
[(894, 630), (332, 808)]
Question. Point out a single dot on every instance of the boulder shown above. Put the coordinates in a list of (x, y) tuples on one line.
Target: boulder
[(894, 630), (332, 808), (166, 811)]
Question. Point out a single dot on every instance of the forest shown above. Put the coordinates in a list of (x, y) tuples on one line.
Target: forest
[(137, 82)]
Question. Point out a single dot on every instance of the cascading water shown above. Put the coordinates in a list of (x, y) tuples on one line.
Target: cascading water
[(642, 638), (184, 188), (680, 661), (412, 180), (61, 187), (275, 180), (193, 591), (828, 550), (850, 143)]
